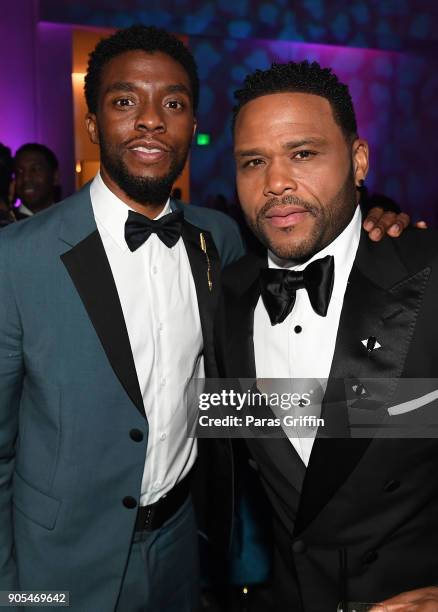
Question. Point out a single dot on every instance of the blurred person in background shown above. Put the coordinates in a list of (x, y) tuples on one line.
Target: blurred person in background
[(6, 173), (36, 179)]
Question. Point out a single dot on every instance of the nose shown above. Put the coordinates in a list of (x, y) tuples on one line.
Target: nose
[(150, 118), (24, 176), (279, 179)]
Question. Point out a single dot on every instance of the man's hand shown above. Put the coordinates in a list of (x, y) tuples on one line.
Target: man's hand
[(420, 600), (378, 223)]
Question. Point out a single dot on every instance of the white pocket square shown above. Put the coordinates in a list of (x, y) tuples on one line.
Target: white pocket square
[(413, 404)]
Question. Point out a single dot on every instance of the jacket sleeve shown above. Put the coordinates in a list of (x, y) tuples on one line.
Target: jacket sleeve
[(11, 376)]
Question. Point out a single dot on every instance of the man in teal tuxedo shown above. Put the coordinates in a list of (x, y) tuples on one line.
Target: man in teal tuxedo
[(106, 317)]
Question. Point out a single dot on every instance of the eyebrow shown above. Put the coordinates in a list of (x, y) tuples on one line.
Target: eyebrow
[(179, 88), (291, 144), (294, 144), (132, 87), (120, 86)]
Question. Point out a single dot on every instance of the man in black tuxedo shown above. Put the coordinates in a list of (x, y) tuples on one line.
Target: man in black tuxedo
[(355, 518)]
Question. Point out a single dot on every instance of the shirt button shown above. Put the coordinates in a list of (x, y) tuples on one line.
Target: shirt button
[(298, 329), (163, 436), (163, 382), (154, 269), (160, 327)]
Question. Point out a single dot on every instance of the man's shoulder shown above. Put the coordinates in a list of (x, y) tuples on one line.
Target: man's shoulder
[(417, 248), (224, 230), (239, 275), (33, 232), (209, 219)]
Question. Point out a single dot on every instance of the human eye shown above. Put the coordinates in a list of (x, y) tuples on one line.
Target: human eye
[(304, 155), (123, 102), (174, 104), (253, 163)]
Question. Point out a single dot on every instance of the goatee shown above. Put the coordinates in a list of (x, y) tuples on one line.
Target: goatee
[(143, 190)]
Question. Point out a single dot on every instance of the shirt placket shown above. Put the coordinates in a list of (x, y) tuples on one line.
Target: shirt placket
[(158, 468)]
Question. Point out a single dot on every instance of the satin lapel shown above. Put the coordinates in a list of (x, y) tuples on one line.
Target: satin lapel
[(241, 361), (241, 293), (382, 300), (91, 274), (239, 358), (205, 265)]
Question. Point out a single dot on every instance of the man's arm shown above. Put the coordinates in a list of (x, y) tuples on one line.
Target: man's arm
[(11, 374)]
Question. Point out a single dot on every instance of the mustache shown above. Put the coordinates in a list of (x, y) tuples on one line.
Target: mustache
[(288, 200)]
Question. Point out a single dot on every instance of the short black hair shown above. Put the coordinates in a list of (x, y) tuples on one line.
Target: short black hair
[(302, 77), (35, 147), (6, 171), (137, 38)]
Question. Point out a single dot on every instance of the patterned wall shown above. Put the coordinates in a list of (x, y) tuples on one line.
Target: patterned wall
[(384, 50), (394, 98), (386, 24)]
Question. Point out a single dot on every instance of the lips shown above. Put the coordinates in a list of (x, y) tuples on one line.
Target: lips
[(29, 191), (149, 151), (286, 216)]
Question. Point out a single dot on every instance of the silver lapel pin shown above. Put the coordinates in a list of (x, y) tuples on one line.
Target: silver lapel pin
[(371, 344)]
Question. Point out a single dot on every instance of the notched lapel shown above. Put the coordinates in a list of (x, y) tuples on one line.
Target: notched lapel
[(91, 274), (382, 301), (205, 265)]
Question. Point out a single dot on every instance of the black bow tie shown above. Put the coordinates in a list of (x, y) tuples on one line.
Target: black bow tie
[(279, 288), (138, 228)]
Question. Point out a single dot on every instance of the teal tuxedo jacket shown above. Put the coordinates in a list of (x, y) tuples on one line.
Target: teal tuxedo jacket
[(69, 397)]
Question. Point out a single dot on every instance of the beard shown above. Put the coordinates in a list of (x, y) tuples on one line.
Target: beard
[(142, 189), (329, 220)]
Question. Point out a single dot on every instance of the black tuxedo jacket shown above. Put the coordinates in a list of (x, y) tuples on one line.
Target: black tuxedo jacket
[(361, 522)]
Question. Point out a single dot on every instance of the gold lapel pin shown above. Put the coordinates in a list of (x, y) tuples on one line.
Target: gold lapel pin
[(204, 248)]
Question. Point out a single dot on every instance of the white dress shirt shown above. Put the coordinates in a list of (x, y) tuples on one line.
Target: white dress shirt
[(302, 346), (160, 307)]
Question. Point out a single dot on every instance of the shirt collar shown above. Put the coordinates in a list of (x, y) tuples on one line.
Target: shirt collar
[(24, 210), (343, 248), (112, 212)]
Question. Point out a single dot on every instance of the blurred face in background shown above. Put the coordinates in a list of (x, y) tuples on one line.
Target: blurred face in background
[(35, 180)]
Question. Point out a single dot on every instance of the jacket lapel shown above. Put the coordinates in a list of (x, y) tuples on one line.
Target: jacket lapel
[(382, 300), (205, 265), (89, 269), (242, 292)]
